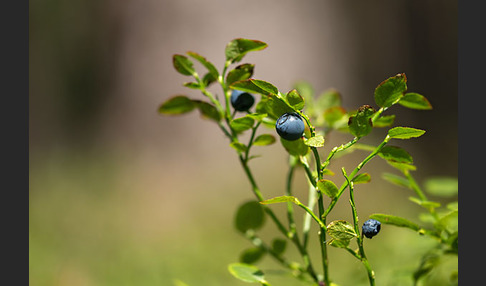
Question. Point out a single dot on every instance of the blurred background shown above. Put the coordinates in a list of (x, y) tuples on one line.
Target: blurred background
[(120, 195)]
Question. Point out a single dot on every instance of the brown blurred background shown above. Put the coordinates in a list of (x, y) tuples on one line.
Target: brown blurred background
[(120, 195)]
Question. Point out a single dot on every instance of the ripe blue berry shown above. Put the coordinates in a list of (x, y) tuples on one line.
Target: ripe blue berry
[(241, 101), (290, 126), (371, 228)]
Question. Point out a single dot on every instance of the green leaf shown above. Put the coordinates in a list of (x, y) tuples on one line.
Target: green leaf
[(249, 215), (391, 90), (448, 221), (211, 68), (395, 154), (395, 220), (241, 72), (264, 139), (316, 141), (183, 65), (403, 167), (281, 199), (339, 243), (327, 187), (362, 178), (275, 106), (415, 101), (341, 230), (279, 245), (246, 272), (241, 124), (238, 146), (208, 79), (442, 186), (208, 110), (405, 133), (251, 255), (425, 204), (295, 99), (255, 86), (237, 48), (329, 99), (360, 124), (384, 121), (257, 116), (193, 85), (296, 147), (397, 180), (178, 104), (333, 115)]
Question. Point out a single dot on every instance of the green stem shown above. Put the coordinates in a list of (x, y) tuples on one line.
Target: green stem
[(355, 171), (322, 225), (359, 238), (336, 150), (290, 207)]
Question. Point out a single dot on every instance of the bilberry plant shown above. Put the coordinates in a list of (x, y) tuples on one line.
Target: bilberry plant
[(302, 121)]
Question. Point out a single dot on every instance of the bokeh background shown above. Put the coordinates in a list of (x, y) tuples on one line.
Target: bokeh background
[(120, 195)]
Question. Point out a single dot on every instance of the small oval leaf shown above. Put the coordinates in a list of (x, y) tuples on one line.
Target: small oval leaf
[(391, 90), (395, 220), (237, 48), (211, 68), (360, 124), (327, 187), (264, 139), (183, 65), (251, 255), (316, 141), (295, 99), (249, 215), (341, 230), (178, 104), (241, 72), (405, 133), (279, 245), (415, 101), (246, 272), (395, 154)]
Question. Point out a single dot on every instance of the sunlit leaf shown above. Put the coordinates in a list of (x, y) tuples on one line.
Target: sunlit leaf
[(316, 141), (391, 90), (295, 99), (415, 101), (395, 220), (360, 124), (405, 133), (341, 230), (246, 272), (327, 187), (264, 139), (238, 48)]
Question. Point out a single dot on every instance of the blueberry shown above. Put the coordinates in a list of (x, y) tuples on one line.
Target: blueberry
[(241, 101), (290, 126), (371, 228)]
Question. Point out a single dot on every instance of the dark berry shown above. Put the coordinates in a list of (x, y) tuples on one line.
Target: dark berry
[(290, 126), (371, 228), (241, 101)]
